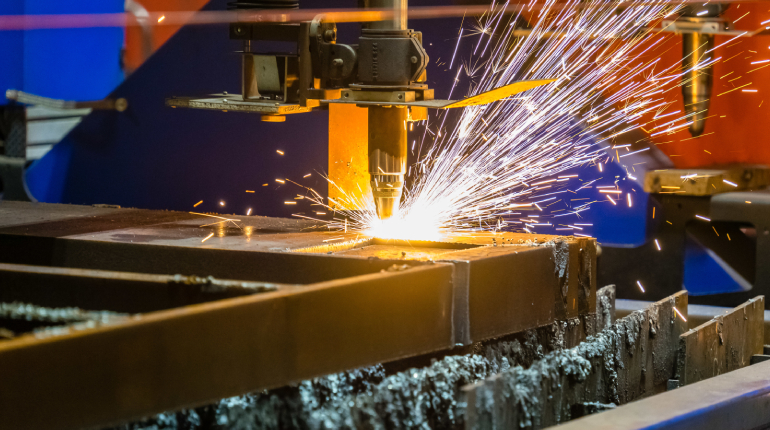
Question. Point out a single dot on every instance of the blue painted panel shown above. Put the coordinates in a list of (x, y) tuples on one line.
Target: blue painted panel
[(11, 51), (73, 64), (155, 157), (703, 275)]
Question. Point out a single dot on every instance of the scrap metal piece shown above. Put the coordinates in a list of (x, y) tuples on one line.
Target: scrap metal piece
[(632, 359), (723, 344), (739, 400), (605, 307)]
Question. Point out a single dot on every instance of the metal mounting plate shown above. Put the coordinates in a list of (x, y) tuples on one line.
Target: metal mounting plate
[(235, 102), (479, 99)]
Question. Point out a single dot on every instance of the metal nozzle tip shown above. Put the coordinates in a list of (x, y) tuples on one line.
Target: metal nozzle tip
[(386, 190), (386, 207)]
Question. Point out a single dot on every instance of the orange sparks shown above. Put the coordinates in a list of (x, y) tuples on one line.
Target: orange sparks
[(280, 181), (249, 191), (279, 151), (290, 203), (307, 176), (248, 212), (640, 286), (161, 18), (680, 315), (737, 88), (196, 205), (221, 203), (207, 237)]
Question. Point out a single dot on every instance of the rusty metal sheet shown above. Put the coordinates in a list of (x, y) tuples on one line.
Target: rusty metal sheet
[(504, 282), (723, 344), (183, 357), (631, 359), (515, 287), (739, 400)]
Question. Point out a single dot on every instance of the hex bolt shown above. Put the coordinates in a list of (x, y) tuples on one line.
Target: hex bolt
[(329, 35)]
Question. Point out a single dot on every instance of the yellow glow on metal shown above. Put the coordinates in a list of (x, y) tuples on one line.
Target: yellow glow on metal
[(348, 155), (499, 93)]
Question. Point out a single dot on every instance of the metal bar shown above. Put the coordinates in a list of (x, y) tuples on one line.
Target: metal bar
[(723, 344), (198, 354), (739, 400), (117, 291)]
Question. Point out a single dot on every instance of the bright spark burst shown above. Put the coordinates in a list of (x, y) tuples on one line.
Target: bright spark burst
[(484, 172)]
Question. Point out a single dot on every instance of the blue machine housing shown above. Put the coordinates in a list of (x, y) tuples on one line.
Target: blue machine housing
[(73, 64)]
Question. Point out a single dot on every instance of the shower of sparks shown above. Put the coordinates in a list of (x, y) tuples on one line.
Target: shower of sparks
[(493, 166)]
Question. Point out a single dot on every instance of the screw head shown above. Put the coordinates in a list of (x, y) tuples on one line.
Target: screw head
[(414, 60), (337, 62), (238, 30)]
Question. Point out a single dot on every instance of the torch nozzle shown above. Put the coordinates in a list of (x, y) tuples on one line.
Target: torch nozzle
[(386, 190), (387, 157)]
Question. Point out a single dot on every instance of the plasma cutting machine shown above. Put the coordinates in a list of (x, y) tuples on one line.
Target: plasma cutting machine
[(385, 73)]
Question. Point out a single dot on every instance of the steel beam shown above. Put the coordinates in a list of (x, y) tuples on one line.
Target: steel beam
[(190, 356)]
